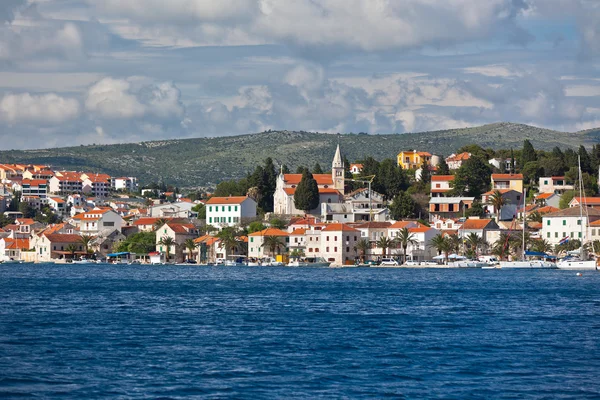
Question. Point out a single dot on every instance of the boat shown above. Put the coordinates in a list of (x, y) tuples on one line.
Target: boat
[(84, 260), (579, 261), (235, 260), (524, 263), (309, 262)]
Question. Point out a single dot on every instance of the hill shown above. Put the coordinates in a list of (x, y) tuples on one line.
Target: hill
[(207, 161)]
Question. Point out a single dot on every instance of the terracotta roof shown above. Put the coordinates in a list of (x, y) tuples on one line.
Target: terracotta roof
[(587, 200), (573, 212), (34, 182), (442, 178), (181, 228), (544, 196), (595, 223), (440, 190), (25, 221), (291, 191), (63, 238), (557, 178), (57, 199), (473, 223), (303, 221), (294, 179), (419, 229), (534, 225), (374, 225), (339, 227), (16, 243), (459, 157), (299, 231), (507, 177), (401, 224), (270, 232), (360, 166), (91, 215), (149, 221), (547, 209), (227, 200)]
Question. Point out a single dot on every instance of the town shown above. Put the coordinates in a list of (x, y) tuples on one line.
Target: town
[(421, 209)]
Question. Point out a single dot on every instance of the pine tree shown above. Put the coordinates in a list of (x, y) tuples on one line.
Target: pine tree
[(512, 161), (472, 178), (425, 173), (442, 168), (306, 197), (528, 153), (586, 161), (285, 169), (403, 206), (317, 169)]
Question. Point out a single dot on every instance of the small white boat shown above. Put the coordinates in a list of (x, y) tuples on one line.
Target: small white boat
[(84, 260), (576, 264), (309, 262), (527, 264)]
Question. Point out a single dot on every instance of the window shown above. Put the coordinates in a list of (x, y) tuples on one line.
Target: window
[(310, 249), (545, 181), (578, 222), (548, 222), (347, 249), (593, 232), (579, 235), (556, 234), (564, 222), (229, 219), (564, 234), (252, 240), (327, 249), (235, 208), (327, 238), (210, 208), (209, 220), (109, 224), (451, 207), (335, 238), (548, 235), (355, 238), (437, 185), (222, 208), (335, 249)]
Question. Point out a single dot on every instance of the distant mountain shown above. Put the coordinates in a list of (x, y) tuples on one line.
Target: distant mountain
[(207, 161)]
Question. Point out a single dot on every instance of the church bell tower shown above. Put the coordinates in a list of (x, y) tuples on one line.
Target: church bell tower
[(337, 170)]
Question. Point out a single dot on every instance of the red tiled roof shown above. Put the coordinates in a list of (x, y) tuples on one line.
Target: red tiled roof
[(587, 200), (339, 227), (547, 209), (374, 225), (544, 196), (17, 243), (63, 238), (291, 191), (401, 224), (419, 229), (25, 221), (34, 182), (294, 179), (270, 232), (227, 200), (181, 228), (442, 178), (476, 223), (299, 231), (507, 177), (459, 157)]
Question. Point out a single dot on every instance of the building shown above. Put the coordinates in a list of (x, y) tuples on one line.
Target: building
[(229, 211), (593, 202), (331, 188), (10, 249), (413, 159), (96, 184), (449, 207), (338, 244), (356, 168), (455, 161), (553, 184), (257, 247), (57, 246), (64, 183), (100, 220), (179, 233), (512, 202), (481, 227), (127, 184), (172, 210), (567, 223), (57, 205), (548, 199), (507, 181), (360, 205), (441, 184), (501, 164), (420, 250), (33, 187)]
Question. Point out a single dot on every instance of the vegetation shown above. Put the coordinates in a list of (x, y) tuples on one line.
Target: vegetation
[(404, 239), (273, 243), (167, 241), (138, 243), (306, 197)]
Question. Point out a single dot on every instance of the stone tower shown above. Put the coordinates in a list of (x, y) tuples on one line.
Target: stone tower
[(337, 170)]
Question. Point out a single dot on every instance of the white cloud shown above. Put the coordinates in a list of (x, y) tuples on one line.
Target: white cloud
[(110, 98), (48, 108)]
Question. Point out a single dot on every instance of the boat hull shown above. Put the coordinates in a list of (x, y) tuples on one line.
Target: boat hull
[(577, 265), (535, 264)]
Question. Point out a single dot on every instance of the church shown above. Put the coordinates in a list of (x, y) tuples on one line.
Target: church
[(331, 188)]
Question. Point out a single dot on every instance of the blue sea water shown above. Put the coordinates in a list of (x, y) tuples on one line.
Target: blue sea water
[(100, 331)]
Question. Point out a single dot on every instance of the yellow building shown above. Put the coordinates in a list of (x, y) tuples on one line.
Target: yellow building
[(507, 181), (413, 159)]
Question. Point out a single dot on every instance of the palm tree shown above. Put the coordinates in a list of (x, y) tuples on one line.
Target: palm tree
[(384, 243), (475, 242), (86, 240), (516, 242), (541, 245), (501, 245), (497, 201), (190, 245), (363, 245), (72, 248), (168, 242), (405, 238), (441, 244), (273, 243), (160, 222), (535, 217), (455, 242), (228, 239)]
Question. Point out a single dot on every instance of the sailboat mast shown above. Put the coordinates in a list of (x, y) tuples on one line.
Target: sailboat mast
[(580, 206)]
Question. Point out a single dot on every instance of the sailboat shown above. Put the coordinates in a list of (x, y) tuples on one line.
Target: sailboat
[(524, 263), (579, 262)]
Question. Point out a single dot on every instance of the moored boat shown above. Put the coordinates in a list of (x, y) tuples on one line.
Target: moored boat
[(309, 262)]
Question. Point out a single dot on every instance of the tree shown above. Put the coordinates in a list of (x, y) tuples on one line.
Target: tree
[(191, 246), (160, 222), (476, 210), (531, 172), (512, 161), (441, 244), (306, 197), (317, 169), (256, 226), (403, 206), (384, 243), (273, 243), (139, 243), (71, 248), (535, 216), (586, 161), (285, 169), (528, 153), (541, 245), (200, 209), (229, 239), (404, 238), (363, 246), (425, 172), (277, 223), (27, 210), (390, 179), (501, 245), (472, 178), (497, 201), (566, 198), (475, 242), (85, 241), (442, 168), (168, 242)]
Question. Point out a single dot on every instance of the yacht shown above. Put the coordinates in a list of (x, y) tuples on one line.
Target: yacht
[(309, 262)]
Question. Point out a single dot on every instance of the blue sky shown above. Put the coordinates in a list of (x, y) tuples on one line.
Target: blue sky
[(113, 71)]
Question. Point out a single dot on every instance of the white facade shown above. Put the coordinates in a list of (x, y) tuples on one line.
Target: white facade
[(567, 223), (553, 184), (171, 210), (229, 211), (129, 184), (98, 221), (338, 243), (257, 249)]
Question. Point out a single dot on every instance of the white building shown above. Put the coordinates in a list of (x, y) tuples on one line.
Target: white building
[(567, 223), (96, 184), (229, 211), (172, 210), (440, 184), (455, 161), (553, 184), (66, 183), (338, 242), (97, 221), (357, 206), (331, 188), (127, 183), (256, 243)]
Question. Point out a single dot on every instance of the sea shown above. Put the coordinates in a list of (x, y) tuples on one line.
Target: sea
[(179, 332)]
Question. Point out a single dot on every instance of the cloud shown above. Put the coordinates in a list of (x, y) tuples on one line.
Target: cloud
[(48, 108), (8, 8), (110, 98)]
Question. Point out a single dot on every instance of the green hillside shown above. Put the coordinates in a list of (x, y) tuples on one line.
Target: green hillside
[(207, 161)]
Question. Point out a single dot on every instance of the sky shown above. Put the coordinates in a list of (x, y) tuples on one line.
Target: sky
[(112, 71)]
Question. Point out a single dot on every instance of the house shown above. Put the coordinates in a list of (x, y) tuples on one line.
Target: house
[(57, 205), (172, 210), (359, 205), (338, 244), (229, 211), (441, 184), (96, 184), (10, 249), (479, 226), (33, 187), (10, 171), (548, 199), (179, 232), (57, 246), (127, 184), (455, 161), (257, 247), (65, 182), (98, 221), (149, 224), (501, 164), (104, 243), (43, 174), (420, 250), (356, 168), (512, 202), (567, 223), (507, 181), (448, 207), (297, 241), (331, 188), (413, 159), (592, 202), (554, 184), (209, 249), (373, 231)]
